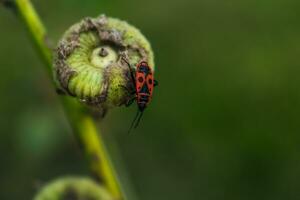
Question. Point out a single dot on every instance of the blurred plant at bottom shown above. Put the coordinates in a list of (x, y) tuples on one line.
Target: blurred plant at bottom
[(73, 188)]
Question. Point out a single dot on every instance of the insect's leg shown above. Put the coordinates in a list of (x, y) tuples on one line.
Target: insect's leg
[(155, 83), (129, 102), (131, 72), (130, 91), (60, 91)]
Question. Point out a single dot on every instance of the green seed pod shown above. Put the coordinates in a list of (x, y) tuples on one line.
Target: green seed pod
[(89, 61), (73, 188)]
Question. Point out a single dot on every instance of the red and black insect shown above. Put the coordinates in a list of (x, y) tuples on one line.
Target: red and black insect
[(144, 83)]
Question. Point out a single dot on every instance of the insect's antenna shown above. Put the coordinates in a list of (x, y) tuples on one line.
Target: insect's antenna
[(131, 72), (134, 120), (138, 120)]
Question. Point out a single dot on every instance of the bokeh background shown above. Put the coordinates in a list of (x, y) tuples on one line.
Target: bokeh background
[(224, 123)]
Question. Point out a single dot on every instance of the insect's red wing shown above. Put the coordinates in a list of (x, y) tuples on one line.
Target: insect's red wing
[(144, 83), (140, 80), (150, 83)]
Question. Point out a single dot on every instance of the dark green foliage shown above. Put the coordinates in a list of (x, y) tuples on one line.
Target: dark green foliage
[(223, 123)]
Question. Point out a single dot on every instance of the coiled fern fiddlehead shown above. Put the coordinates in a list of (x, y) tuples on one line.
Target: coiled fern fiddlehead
[(89, 61)]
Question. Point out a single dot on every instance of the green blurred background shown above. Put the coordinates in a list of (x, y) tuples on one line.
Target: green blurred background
[(224, 122)]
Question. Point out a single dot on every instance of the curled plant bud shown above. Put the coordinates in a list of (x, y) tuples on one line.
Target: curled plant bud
[(89, 61), (74, 188)]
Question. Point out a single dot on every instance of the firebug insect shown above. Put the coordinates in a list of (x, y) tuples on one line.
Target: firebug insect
[(144, 83)]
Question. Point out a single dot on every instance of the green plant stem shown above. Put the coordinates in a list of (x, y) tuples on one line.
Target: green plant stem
[(82, 123)]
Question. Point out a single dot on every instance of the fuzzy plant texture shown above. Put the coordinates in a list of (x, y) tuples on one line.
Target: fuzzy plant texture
[(91, 61), (73, 188)]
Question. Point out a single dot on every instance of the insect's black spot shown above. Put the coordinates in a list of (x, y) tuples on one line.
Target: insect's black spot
[(150, 81), (140, 79)]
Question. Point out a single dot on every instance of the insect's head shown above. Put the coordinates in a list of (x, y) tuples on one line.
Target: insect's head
[(143, 67)]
